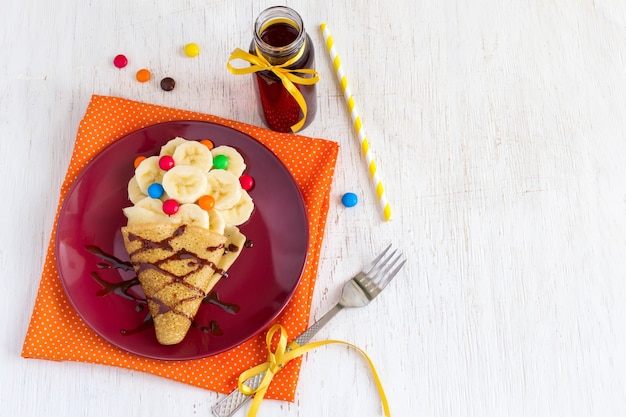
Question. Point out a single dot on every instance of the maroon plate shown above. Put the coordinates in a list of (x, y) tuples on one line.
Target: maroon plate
[(260, 283)]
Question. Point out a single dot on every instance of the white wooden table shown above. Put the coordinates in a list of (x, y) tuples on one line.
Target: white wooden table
[(499, 128)]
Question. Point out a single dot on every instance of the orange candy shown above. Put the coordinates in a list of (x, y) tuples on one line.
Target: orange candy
[(143, 75), (208, 143), (138, 160), (206, 202)]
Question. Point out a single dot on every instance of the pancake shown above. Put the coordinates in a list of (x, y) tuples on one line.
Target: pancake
[(177, 266)]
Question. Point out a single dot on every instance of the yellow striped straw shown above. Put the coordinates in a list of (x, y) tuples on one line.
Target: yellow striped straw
[(356, 120)]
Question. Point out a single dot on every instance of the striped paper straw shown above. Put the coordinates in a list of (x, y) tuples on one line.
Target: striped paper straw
[(358, 125)]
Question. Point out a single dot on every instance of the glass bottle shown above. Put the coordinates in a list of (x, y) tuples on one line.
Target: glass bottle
[(279, 36)]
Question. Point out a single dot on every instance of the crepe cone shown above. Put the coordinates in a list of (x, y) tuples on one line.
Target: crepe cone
[(176, 266)]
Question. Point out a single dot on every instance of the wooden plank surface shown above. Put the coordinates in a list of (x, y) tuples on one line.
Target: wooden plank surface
[(499, 131)]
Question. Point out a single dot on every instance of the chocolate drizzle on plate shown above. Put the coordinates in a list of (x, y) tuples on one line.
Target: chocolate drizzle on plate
[(213, 298), (123, 289)]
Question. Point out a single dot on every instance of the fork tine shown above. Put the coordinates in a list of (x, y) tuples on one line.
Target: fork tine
[(386, 266), (368, 269), (381, 274), (370, 274), (391, 274)]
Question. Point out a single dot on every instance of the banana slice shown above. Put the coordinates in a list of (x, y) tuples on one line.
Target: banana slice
[(147, 210), (169, 148), (224, 187), (193, 215), (147, 173), (195, 154), (240, 212), (236, 164), (184, 183), (216, 222), (134, 192)]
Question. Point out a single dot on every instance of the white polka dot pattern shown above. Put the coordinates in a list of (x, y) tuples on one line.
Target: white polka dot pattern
[(56, 332)]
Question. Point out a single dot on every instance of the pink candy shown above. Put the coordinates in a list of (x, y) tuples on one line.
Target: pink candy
[(120, 61)]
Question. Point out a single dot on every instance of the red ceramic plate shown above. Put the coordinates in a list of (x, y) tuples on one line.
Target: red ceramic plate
[(92, 261)]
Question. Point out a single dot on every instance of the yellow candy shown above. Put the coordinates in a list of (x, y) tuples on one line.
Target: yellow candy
[(192, 49)]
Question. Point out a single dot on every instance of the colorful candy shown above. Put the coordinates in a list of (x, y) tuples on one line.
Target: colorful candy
[(192, 50), (170, 207), (349, 199), (120, 61), (220, 162), (166, 162), (206, 202), (208, 143), (138, 161), (246, 181), (143, 75), (168, 84), (155, 190)]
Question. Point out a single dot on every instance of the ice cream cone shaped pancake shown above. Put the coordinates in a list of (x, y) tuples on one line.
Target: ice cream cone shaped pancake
[(182, 232), (177, 266)]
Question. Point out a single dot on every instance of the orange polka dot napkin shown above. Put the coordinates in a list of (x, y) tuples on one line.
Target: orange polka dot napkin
[(56, 332)]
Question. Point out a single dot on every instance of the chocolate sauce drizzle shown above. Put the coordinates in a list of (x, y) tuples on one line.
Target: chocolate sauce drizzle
[(195, 261), (214, 299), (123, 289), (113, 262)]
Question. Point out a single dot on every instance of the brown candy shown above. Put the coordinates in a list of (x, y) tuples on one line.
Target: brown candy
[(168, 84)]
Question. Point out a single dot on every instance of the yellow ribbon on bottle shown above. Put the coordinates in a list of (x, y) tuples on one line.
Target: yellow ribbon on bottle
[(286, 75), (284, 353)]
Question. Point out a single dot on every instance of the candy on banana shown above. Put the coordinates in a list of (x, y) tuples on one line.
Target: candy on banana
[(192, 176), (236, 164)]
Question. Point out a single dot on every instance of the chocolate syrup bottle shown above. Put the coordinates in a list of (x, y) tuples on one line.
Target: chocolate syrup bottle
[(279, 36)]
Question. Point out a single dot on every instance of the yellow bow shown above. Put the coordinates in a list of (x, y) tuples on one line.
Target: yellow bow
[(277, 359), (286, 75)]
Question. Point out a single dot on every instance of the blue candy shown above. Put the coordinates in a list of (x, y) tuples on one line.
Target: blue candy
[(349, 199), (155, 190)]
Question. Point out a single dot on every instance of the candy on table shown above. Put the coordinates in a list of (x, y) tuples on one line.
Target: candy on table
[(168, 84), (143, 75), (192, 50), (120, 61), (349, 199)]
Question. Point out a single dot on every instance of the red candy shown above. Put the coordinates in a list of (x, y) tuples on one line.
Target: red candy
[(166, 162), (170, 207), (120, 61), (246, 181)]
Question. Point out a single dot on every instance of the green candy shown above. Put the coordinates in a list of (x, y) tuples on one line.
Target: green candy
[(220, 162)]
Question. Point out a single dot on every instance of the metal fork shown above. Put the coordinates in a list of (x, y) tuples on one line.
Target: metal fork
[(357, 292)]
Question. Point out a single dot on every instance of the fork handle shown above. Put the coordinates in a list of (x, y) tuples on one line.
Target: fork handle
[(228, 405)]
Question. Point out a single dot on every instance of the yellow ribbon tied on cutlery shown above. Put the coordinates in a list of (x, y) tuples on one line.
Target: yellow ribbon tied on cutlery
[(286, 75), (284, 353)]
